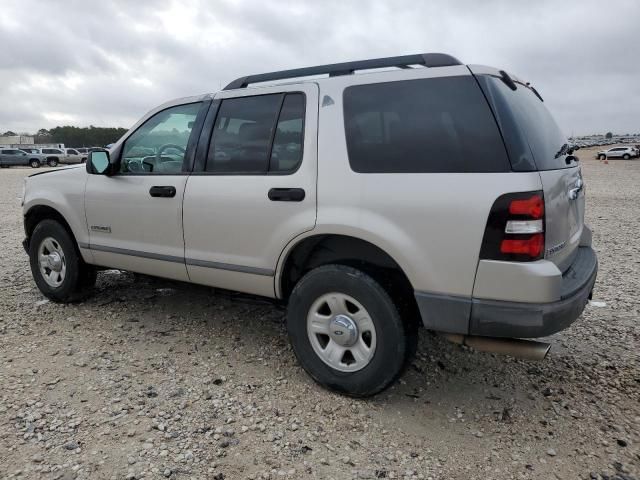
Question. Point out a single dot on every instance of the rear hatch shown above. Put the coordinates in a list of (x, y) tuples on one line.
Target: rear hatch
[(536, 143)]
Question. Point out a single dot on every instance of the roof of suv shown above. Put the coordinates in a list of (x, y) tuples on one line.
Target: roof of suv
[(348, 68)]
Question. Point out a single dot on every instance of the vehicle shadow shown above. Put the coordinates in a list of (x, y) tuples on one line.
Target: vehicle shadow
[(445, 383)]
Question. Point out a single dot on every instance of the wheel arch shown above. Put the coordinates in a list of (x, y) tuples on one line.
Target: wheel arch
[(328, 248), (40, 212)]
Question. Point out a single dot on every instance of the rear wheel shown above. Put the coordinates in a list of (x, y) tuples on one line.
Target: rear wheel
[(56, 265), (346, 331), (52, 162), (35, 163)]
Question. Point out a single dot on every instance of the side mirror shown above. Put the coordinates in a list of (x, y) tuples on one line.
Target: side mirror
[(99, 162)]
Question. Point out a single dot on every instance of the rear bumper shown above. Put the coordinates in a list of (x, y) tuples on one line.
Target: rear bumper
[(500, 318), (529, 320)]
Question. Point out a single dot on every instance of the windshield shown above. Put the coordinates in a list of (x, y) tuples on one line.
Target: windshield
[(533, 138)]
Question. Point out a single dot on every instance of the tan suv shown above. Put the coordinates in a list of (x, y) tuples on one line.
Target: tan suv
[(370, 201)]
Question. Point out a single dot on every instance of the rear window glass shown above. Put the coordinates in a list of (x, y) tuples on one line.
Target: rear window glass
[(431, 125), (529, 128)]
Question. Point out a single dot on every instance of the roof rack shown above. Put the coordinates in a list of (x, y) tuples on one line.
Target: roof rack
[(347, 68)]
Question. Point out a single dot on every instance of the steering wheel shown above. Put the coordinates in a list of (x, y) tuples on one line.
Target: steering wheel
[(168, 145)]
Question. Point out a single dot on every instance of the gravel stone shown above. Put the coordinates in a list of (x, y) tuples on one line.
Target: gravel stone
[(155, 378)]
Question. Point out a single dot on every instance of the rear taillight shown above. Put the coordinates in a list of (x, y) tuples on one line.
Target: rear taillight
[(515, 228)]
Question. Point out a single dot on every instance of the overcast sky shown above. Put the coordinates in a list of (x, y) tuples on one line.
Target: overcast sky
[(105, 63)]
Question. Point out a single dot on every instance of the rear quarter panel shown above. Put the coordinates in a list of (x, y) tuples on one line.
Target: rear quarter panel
[(432, 224)]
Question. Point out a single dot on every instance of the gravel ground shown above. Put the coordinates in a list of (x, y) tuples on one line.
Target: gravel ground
[(151, 378)]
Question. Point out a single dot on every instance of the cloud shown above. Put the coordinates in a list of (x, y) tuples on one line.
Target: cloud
[(106, 63)]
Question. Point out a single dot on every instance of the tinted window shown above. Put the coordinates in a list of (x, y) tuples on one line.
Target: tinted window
[(242, 134), (286, 154), (529, 128), (418, 126), (159, 145), (71, 152)]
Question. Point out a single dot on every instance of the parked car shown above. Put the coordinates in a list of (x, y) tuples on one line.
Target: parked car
[(10, 157), (618, 152), (35, 153), (53, 156), (74, 156), (370, 203)]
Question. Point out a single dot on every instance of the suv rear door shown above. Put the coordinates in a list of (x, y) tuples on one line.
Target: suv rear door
[(254, 185), (535, 142)]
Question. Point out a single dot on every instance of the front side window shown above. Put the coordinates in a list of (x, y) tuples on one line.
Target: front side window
[(160, 144), (256, 135), (433, 125), (72, 152)]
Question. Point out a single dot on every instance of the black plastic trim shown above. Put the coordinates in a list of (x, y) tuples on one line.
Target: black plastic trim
[(499, 318), (175, 259), (444, 313), (347, 68)]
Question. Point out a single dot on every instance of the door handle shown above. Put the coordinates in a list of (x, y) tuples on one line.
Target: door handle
[(286, 194), (162, 191)]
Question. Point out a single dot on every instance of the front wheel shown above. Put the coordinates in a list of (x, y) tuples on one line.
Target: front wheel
[(56, 265), (626, 156), (346, 331), (34, 163), (602, 157)]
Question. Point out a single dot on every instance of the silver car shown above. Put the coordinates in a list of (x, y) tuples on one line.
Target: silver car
[(432, 194), (10, 157), (618, 152)]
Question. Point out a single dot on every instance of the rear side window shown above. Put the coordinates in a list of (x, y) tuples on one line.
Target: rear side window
[(434, 125), (286, 153), (532, 135), (256, 135)]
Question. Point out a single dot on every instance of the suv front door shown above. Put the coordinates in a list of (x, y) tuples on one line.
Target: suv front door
[(254, 186), (134, 217)]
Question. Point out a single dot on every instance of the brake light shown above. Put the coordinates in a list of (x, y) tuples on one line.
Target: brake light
[(515, 228), (531, 246), (532, 207)]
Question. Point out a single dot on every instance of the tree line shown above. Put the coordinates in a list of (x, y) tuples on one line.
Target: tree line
[(78, 136)]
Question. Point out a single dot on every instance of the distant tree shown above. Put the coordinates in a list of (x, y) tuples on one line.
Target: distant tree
[(85, 137), (42, 136), (609, 135), (9, 133)]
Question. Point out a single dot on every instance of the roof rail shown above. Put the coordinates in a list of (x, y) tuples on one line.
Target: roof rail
[(347, 68)]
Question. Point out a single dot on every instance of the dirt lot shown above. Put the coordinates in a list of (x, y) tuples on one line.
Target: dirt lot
[(149, 378)]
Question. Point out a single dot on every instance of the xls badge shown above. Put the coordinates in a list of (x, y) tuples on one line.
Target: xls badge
[(100, 228)]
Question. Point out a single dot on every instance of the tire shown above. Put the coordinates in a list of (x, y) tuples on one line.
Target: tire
[(602, 157), (390, 340), (52, 162), (4, 166), (626, 156), (70, 279), (35, 163)]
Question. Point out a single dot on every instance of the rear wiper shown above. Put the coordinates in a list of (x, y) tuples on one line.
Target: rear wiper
[(535, 91), (504, 76), (567, 149), (563, 150)]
